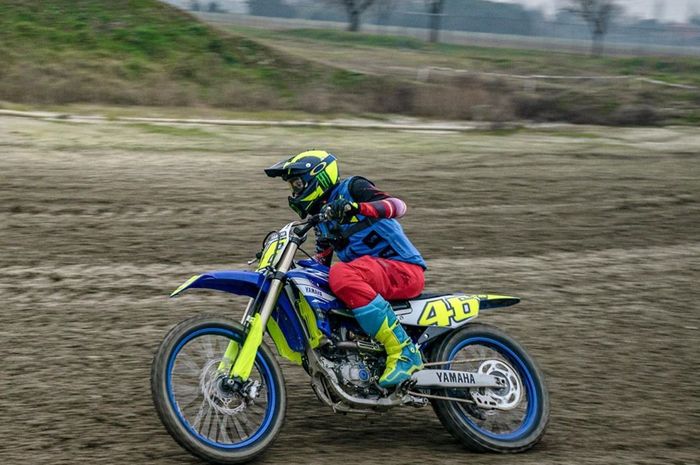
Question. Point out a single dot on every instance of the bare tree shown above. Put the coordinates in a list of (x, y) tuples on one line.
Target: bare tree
[(354, 9), (384, 9), (598, 15), (434, 8)]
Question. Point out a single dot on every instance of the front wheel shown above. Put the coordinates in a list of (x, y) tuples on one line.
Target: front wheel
[(203, 412), (509, 419)]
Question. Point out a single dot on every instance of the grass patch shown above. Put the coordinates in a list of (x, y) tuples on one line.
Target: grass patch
[(575, 135), (515, 61), (498, 132), (177, 131), (145, 52), (566, 133), (355, 38)]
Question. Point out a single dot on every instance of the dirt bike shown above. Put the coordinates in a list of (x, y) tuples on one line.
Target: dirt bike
[(220, 393)]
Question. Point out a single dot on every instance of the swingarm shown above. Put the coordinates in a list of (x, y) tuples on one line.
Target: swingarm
[(455, 379)]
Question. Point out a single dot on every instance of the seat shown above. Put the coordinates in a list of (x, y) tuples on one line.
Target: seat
[(401, 304), (395, 304)]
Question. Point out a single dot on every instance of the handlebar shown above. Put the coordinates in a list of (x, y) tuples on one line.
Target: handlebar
[(310, 223)]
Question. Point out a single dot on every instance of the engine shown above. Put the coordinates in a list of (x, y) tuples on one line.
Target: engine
[(357, 362), (353, 372)]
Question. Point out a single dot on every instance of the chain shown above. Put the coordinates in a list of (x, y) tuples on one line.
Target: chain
[(454, 362), (433, 396)]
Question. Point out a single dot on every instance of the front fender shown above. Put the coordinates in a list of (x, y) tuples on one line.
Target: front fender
[(284, 325), (232, 281)]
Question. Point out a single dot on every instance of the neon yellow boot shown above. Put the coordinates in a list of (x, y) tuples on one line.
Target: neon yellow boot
[(402, 357)]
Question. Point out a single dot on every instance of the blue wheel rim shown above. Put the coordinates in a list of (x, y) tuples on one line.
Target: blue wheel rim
[(260, 364), (524, 372)]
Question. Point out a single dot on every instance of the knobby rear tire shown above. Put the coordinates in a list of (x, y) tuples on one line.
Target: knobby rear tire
[(468, 432), (174, 421)]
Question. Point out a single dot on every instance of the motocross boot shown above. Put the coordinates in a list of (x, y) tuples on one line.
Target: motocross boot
[(402, 357)]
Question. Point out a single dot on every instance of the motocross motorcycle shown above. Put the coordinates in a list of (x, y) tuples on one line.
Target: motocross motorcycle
[(220, 393)]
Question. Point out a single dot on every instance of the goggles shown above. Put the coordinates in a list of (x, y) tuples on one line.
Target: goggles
[(297, 185)]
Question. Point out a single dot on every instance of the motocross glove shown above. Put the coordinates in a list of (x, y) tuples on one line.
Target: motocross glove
[(341, 210)]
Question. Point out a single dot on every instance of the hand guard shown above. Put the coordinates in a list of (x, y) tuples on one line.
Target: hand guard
[(340, 210)]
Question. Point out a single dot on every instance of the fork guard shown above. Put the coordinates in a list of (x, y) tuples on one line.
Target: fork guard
[(456, 379)]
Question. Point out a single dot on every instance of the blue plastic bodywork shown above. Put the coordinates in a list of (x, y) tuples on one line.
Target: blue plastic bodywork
[(312, 283), (248, 283), (310, 279), (233, 281)]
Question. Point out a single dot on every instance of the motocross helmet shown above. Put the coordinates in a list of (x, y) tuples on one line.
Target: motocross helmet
[(311, 175)]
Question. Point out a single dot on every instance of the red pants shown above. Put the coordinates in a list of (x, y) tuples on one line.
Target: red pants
[(358, 282)]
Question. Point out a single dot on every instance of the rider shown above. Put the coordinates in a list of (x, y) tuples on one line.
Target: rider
[(378, 261)]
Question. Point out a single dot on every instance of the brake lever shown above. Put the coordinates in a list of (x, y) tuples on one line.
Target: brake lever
[(256, 259), (310, 223)]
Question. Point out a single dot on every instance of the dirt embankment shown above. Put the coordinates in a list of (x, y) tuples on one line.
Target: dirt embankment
[(596, 230)]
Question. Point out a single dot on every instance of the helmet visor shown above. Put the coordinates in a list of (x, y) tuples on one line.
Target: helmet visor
[(297, 184)]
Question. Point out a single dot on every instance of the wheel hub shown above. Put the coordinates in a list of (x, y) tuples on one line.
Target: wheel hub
[(506, 397), (226, 395)]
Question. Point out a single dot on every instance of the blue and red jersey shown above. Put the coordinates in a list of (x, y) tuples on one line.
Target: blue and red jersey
[(373, 231)]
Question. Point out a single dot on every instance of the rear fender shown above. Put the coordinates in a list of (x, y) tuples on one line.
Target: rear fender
[(487, 302), (442, 315)]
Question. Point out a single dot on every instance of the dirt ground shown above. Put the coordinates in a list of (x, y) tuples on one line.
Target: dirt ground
[(597, 230)]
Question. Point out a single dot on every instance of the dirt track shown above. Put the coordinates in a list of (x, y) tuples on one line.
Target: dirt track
[(596, 229)]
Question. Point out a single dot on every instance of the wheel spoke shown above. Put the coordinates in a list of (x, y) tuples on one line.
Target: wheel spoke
[(487, 361), (200, 415), (208, 348), (207, 423), (241, 432), (222, 428), (207, 408), (256, 408), (190, 365), (187, 391)]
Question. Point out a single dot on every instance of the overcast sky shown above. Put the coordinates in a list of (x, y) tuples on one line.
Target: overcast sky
[(677, 10)]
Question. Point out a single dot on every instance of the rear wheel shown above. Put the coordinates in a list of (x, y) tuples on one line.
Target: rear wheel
[(201, 407), (508, 419)]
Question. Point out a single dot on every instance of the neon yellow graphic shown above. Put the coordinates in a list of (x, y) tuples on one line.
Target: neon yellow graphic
[(332, 171), (465, 307), (497, 297), (272, 251), (385, 335), (185, 285), (394, 349), (320, 154), (492, 300), (436, 313), (315, 334), (229, 357), (318, 168), (244, 362), (445, 312), (314, 195), (281, 342)]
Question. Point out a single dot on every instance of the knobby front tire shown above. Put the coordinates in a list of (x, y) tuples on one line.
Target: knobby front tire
[(217, 428), (491, 430)]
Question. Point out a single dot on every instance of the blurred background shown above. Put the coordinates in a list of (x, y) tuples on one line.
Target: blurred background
[(638, 26), (545, 149), (593, 61)]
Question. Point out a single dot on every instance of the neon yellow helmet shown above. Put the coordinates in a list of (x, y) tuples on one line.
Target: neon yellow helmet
[(311, 175)]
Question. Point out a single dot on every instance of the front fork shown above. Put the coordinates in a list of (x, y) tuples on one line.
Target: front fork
[(238, 360)]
